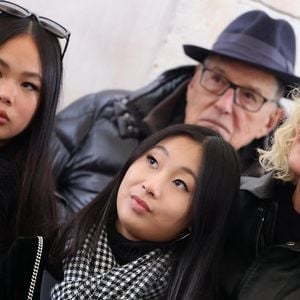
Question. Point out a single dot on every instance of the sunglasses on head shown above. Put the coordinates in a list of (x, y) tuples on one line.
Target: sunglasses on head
[(18, 11)]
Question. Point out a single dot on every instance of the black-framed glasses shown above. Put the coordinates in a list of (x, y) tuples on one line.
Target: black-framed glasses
[(245, 98), (18, 11)]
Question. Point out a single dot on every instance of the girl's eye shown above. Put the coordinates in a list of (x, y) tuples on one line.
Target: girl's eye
[(30, 86), (181, 184), (152, 161)]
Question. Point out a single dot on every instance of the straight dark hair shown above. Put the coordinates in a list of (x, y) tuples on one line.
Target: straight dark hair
[(196, 258), (36, 207)]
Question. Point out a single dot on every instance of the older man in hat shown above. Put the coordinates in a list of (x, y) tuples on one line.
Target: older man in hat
[(234, 89)]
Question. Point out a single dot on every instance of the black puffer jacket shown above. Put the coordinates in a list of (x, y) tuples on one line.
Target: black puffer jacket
[(96, 134), (256, 266)]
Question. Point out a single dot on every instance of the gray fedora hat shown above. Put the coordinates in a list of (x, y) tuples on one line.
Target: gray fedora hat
[(258, 39)]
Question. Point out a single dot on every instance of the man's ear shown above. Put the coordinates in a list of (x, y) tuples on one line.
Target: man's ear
[(195, 79), (274, 119)]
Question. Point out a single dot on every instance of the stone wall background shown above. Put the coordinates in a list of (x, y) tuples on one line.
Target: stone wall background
[(126, 43)]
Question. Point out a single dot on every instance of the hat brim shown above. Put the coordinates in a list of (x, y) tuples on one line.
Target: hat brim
[(199, 54)]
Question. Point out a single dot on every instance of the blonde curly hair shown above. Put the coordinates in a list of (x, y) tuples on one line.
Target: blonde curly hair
[(276, 157)]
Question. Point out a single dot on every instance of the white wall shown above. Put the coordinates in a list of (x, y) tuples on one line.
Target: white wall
[(126, 43)]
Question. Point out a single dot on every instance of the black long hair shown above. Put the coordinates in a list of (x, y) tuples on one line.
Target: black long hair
[(196, 261), (36, 207)]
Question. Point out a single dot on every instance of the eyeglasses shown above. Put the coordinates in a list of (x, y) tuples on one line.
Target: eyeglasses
[(245, 98), (18, 11)]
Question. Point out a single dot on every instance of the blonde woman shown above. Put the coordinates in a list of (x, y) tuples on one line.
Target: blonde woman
[(263, 257)]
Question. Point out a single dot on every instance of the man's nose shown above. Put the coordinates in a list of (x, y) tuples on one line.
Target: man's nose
[(225, 102)]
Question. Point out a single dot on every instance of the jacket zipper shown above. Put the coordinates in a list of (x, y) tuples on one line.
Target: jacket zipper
[(259, 230), (245, 277)]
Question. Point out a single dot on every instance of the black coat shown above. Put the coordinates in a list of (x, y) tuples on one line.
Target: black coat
[(95, 135), (256, 266), (9, 192), (16, 270)]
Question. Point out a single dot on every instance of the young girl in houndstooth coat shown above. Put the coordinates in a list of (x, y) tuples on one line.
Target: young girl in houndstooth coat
[(155, 232)]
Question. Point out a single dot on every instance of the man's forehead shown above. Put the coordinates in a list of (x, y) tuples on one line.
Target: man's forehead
[(231, 64)]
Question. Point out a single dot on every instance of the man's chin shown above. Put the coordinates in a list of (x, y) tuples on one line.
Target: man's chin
[(235, 143), (221, 131), (214, 126)]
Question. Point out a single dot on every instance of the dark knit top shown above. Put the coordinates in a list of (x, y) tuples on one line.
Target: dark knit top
[(125, 250)]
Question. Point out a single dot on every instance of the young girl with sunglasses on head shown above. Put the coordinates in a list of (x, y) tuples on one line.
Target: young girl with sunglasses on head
[(156, 232), (30, 80)]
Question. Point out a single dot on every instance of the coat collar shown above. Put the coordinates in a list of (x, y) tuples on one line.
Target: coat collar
[(261, 187), (142, 101)]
